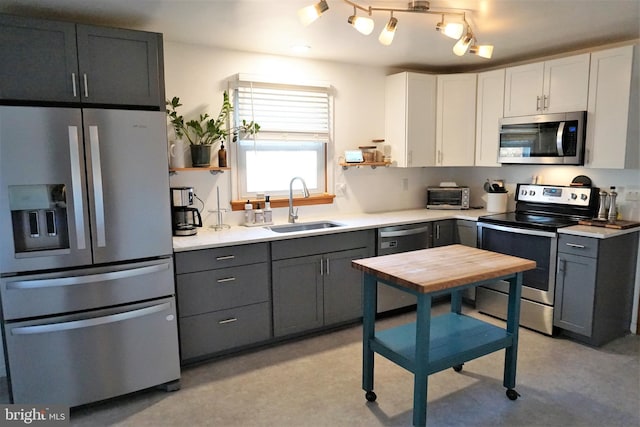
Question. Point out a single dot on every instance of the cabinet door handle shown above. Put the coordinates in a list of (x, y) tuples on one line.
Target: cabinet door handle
[(73, 83), (321, 267), (538, 103), (225, 257), (575, 245), (328, 272), (438, 231), (561, 266), (225, 321), (226, 279), (86, 86), (545, 102)]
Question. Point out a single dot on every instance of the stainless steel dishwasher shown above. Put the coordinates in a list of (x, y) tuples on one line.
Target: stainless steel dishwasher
[(395, 239)]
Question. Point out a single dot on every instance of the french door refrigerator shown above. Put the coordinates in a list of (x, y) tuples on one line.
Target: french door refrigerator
[(86, 268)]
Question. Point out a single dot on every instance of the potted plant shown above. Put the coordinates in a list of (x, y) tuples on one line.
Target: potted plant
[(203, 132)]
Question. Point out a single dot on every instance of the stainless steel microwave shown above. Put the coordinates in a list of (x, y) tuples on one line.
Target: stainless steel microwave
[(447, 197), (543, 139)]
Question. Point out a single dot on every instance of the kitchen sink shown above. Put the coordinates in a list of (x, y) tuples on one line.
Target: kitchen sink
[(303, 226)]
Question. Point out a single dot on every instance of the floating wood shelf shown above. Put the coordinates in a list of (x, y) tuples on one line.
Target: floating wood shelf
[(373, 165), (213, 170)]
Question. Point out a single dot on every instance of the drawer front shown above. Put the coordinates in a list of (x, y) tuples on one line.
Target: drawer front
[(71, 360), (578, 245), (305, 246), (230, 256), (88, 288), (223, 288), (222, 330)]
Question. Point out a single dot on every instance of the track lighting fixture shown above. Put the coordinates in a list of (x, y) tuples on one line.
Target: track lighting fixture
[(386, 36), (450, 29), (310, 13), (360, 23), (483, 50), (458, 28), (461, 46)]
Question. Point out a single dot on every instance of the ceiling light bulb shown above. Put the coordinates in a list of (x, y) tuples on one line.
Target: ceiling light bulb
[(310, 13), (483, 50), (460, 48), (386, 36), (362, 24), (450, 29)]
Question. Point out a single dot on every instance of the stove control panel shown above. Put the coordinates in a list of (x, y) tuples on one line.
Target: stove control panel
[(575, 196)]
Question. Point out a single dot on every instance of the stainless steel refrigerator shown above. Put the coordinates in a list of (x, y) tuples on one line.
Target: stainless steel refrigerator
[(86, 269)]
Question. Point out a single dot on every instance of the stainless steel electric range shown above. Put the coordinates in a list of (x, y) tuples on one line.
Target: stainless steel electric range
[(532, 232)]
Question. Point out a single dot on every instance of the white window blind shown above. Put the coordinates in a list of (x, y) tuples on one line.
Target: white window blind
[(284, 112)]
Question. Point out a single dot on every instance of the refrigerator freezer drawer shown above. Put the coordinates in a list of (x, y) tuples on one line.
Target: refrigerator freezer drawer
[(85, 289), (76, 359)]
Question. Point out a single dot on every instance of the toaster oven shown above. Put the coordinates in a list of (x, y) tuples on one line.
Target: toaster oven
[(447, 197)]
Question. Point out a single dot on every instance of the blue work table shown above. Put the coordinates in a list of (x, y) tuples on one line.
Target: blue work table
[(447, 341)]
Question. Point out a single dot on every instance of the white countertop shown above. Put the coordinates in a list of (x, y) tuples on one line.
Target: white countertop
[(209, 238), (596, 232), (237, 235)]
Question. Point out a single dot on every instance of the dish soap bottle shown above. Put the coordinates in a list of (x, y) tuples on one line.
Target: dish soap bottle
[(259, 215), (248, 213), (222, 156), (268, 214)]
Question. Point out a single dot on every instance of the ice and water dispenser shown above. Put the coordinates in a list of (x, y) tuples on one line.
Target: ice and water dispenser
[(39, 217)]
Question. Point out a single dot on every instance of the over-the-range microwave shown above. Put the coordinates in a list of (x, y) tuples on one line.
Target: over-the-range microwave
[(543, 139)]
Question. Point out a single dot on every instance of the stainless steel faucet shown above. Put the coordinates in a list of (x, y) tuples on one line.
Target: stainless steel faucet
[(294, 215)]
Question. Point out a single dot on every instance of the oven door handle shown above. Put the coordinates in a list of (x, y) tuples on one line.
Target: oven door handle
[(527, 231)]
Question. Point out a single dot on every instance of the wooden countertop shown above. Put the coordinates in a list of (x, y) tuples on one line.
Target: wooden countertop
[(436, 269)]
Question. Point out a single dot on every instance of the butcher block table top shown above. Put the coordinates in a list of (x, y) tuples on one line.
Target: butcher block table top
[(445, 267)]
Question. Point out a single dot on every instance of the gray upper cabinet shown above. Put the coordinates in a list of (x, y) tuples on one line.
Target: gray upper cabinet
[(119, 66), (49, 61), (39, 60)]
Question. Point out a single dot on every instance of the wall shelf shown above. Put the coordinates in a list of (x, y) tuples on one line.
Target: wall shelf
[(373, 165), (213, 170)]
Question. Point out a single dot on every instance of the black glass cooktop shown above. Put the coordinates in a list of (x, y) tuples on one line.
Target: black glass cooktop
[(526, 220)]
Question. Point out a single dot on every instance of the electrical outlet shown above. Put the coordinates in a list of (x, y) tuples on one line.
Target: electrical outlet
[(632, 196)]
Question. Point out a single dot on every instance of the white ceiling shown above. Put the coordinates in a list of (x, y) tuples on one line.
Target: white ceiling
[(519, 29)]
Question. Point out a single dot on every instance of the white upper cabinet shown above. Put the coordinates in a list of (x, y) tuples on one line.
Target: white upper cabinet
[(556, 86), (490, 101), (410, 102), (456, 120), (612, 139)]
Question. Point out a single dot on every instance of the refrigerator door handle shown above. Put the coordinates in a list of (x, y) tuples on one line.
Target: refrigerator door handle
[(97, 184), (76, 187), (87, 323), (81, 280)]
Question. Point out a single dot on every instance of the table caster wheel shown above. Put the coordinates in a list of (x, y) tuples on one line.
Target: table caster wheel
[(512, 394), (371, 396), (457, 368)]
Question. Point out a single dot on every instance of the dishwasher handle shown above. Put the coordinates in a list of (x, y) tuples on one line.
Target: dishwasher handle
[(405, 232)]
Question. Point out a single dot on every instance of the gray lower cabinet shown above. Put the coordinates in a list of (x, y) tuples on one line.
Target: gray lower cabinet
[(224, 299), (54, 61), (444, 232), (467, 234), (594, 286), (313, 282)]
